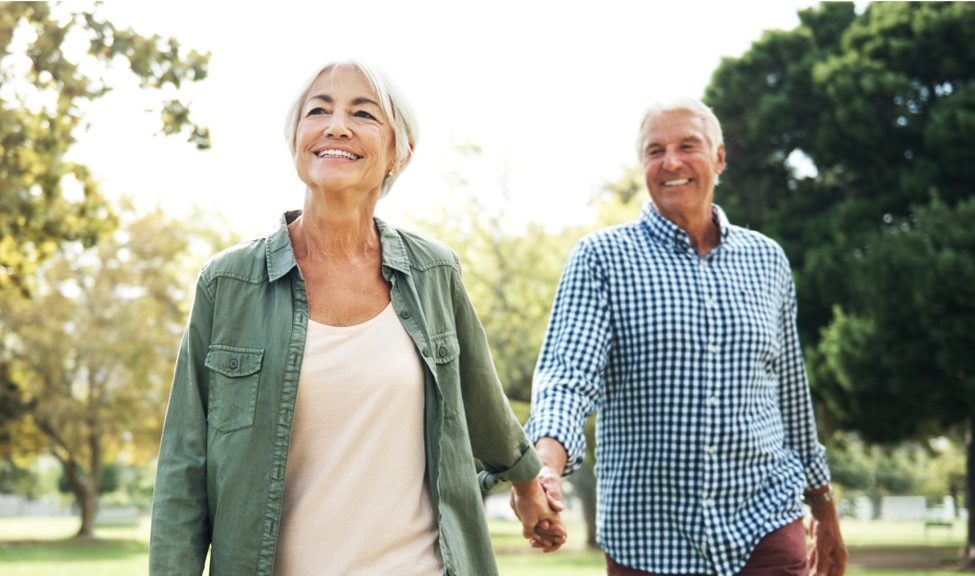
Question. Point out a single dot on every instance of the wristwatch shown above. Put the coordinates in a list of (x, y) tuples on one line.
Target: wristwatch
[(819, 497)]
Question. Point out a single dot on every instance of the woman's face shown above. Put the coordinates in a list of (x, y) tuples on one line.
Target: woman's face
[(344, 142)]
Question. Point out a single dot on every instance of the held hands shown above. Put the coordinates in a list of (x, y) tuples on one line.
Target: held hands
[(538, 508)]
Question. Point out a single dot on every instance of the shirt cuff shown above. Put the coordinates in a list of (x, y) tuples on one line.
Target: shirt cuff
[(551, 428)]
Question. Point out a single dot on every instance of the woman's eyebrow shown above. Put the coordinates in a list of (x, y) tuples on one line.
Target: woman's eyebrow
[(355, 101)]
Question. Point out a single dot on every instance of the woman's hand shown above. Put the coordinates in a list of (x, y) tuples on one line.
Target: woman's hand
[(539, 515)]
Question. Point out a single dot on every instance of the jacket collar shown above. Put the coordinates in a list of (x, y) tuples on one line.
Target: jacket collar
[(281, 255)]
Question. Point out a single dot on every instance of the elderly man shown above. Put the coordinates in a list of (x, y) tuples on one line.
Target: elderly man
[(680, 330)]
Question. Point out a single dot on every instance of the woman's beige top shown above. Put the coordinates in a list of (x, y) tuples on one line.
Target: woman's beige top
[(355, 501)]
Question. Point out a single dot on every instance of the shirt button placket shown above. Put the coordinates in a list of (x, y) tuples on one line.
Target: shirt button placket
[(711, 338)]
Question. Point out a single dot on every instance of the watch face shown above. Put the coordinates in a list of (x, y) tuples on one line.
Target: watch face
[(819, 498)]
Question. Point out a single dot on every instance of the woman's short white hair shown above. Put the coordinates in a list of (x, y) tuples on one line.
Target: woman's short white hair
[(394, 105), (712, 127)]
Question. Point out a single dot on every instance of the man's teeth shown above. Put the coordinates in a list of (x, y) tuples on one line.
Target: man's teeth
[(337, 154), (676, 182)]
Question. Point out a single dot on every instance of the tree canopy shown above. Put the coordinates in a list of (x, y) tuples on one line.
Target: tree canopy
[(53, 63)]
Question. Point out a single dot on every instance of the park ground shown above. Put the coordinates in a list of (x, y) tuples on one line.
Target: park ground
[(43, 547)]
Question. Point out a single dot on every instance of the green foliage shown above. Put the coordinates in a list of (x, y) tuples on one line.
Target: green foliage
[(839, 133), (900, 355), (91, 351), (54, 61)]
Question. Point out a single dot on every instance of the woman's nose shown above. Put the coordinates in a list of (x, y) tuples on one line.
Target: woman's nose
[(337, 126)]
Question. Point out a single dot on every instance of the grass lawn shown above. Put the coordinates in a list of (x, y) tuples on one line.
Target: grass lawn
[(42, 547)]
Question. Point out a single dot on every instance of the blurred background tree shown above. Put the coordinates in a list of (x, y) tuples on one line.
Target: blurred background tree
[(91, 350), (81, 326)]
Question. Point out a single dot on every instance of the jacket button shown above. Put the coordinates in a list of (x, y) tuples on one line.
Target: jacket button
[(234, 363), (405, 314), (442, 351), (426, 352)]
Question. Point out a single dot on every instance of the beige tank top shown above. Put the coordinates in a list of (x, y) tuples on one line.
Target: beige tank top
[(355, 500)]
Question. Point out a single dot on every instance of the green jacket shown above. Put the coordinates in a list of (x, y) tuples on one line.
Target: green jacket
[(225, 441)]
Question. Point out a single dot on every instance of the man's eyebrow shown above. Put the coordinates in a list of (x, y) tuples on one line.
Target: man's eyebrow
[(685, 140), (355, 101)]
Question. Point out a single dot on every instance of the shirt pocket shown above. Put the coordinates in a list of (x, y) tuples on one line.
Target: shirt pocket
[(234, 376), (444, 347)]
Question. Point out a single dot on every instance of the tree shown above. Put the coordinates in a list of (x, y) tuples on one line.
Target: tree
[(91, 350), (846, 140), (899, 362), (53, 64)]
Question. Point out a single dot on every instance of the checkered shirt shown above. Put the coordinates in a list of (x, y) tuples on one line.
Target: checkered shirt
[(705, 439)]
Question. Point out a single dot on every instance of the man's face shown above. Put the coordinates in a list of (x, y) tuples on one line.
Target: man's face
[(679, 166)]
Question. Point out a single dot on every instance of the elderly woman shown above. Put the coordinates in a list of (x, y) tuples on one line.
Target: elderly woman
[(334, 386)]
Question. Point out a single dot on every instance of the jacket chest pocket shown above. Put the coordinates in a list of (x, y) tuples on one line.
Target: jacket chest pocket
[(444, 348), (234, 377)]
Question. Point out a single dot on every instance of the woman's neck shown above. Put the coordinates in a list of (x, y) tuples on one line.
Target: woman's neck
[(331, 230)]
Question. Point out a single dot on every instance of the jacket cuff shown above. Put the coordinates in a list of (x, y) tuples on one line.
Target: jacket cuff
[(526, 468)]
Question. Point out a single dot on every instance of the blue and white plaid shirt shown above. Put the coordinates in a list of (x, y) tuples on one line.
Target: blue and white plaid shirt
[(705, 439)]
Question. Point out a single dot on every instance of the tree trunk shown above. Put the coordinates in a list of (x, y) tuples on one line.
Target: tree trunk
[(85, 490), (968, 556), (87, 498), (584, 482)]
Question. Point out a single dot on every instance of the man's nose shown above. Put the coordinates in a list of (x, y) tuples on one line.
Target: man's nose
[(672, 160)]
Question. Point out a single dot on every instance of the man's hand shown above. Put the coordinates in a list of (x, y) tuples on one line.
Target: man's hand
[(830, 555), (541, 523)]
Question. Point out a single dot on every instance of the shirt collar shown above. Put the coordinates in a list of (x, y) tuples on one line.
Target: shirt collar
[(281, 255), (669, 234)]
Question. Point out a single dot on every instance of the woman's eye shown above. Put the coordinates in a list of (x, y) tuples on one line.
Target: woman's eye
[(316, 111), (364, 114)]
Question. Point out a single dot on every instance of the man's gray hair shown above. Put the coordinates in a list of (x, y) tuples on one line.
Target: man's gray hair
[(712, 127)]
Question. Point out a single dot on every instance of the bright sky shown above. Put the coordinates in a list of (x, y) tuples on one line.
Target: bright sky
[(551, 91)]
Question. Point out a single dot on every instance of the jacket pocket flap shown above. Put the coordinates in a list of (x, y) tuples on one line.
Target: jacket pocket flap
[(445, 347), (234, 362)]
